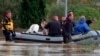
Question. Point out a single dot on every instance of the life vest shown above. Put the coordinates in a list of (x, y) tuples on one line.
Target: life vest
[(9, 25)]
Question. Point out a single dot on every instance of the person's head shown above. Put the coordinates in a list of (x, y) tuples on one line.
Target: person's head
[(89, 22), (43, 20), (70, 12), (55, 18), (63, 18), (82, 20), (8, 14), (70, 16)]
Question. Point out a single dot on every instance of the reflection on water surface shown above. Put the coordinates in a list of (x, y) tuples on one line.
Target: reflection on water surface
[(43, 49)]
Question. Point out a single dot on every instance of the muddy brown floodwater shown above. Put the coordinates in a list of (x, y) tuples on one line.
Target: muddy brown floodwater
[(44, 49)]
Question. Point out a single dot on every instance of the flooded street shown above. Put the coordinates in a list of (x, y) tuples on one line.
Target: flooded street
[(44, 49)]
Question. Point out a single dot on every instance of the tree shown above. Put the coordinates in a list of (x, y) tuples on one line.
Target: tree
[(32, 12), (13, 5)]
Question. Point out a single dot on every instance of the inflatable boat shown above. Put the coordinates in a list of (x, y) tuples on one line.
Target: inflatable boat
[(90, 37)]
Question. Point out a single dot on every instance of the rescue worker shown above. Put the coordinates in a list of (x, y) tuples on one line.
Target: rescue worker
[(7, 26), (63, 19), (54, 27), (67, 28)]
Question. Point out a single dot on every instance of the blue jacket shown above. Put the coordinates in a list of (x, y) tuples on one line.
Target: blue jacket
[(81, 27)]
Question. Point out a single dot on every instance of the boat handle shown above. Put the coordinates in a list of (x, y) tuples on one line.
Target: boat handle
[(47, 38)]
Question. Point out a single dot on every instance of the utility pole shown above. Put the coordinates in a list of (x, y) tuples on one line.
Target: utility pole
[(66, 7)]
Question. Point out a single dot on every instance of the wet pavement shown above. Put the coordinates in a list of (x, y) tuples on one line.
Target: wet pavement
[(45, 49)]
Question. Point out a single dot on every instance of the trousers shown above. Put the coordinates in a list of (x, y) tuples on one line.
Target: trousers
[(67, 37), (7, 35)]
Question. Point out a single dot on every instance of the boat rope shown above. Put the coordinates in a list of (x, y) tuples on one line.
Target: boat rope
[(98, 35)]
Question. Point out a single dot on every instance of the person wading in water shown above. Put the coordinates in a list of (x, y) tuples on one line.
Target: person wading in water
[(7, 26), (67, 28)]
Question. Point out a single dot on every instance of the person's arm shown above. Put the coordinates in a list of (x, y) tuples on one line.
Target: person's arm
[(86, 28), (4, 22)]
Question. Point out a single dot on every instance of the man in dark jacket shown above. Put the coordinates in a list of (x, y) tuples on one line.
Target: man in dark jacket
[(54, 27), (67, 28)]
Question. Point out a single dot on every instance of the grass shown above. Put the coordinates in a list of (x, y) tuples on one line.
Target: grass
[(96, 24)]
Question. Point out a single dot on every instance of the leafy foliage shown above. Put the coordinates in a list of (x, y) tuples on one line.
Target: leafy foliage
[(27, 12), (89, 12), (57, 10), (32, 12), (13, 5)]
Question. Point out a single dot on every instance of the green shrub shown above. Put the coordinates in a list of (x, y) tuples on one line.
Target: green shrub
[(89, 12), (78, 10), (32, 12)]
